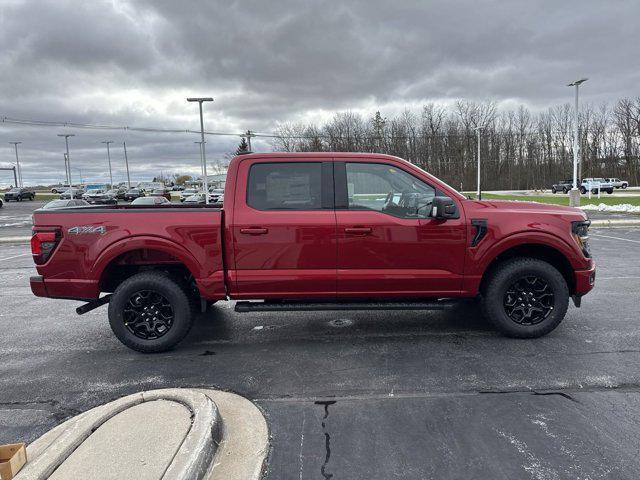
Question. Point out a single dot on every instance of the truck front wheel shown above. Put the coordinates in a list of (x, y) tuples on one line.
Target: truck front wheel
[(525, 298), (149, 312)]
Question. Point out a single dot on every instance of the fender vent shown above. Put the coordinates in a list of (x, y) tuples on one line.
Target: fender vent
[(481, 230)]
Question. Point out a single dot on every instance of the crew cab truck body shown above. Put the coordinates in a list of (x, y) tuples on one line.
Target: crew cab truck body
[(315, 231)]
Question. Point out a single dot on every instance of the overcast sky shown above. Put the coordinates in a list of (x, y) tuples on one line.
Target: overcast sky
[(265, 62)]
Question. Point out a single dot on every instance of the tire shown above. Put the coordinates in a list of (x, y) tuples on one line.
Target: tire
[(129, 301), (495, 297), (583, 190), (564, 190), (624, 186), (553, 190), (609, 191)]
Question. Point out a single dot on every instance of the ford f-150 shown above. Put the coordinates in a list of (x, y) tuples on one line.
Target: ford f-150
[(315, 231)]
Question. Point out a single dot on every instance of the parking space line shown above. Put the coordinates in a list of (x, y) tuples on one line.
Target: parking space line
[(618, 278), (15, 256), (615, 238)]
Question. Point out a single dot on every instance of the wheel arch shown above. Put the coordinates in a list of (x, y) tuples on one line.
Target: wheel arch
[(129, 256), (539, 251)]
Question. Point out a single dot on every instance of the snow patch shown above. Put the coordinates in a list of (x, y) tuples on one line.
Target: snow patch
[(620, 208)]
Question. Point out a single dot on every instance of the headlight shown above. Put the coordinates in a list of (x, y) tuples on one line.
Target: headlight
[(580, 232)]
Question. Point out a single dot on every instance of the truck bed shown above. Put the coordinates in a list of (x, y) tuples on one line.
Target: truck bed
[(98, 239)]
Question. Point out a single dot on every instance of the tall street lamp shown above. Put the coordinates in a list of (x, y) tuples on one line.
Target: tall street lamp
[(107, 142), (479, 192), (66, 141), (126, 163), (204, 157), (201, 163), (574, 194), (19, 179)]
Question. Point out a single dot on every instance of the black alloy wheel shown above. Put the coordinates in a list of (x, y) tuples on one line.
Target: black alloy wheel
[(529, 300), (148, 314)]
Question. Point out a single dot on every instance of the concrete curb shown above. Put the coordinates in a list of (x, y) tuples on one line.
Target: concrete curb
[(616, 222), (243, 452), (17, 240), (192, 460)]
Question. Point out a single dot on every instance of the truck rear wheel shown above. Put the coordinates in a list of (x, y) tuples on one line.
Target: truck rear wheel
[(525, 298), (149, 312)]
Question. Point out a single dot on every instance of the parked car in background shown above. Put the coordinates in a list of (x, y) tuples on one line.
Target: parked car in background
[(117, 193), (178, 188), (58, 188), (187, 193), (133, 194), (53, 204), (71, 193), (562, 186), (215, 194), (1, 203), (617, 183), (99, 197), (151, 200), (197, 199), (161, 192), (19, 194), (594, 184)]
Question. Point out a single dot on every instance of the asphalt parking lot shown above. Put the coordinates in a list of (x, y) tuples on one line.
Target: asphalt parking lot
[(363, 394)]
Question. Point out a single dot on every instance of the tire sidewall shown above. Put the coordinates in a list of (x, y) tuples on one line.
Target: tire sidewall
[(164, 285), (505, 277)]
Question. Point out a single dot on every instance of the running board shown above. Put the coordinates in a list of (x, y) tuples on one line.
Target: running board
[(320, 306)]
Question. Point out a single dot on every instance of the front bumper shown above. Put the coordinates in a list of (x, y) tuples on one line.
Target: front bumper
[(585, 280)]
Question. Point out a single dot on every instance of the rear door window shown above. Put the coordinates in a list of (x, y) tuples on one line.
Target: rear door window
[(286, 186)]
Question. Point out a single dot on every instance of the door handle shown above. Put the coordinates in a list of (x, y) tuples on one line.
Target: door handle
[(254, 230), (358, 230)]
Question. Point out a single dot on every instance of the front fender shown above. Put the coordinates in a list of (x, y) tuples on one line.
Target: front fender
[(481, 258)]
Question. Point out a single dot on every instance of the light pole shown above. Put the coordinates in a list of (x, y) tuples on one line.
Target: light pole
[(107, 142), (66, 142), (248, 135), (574, 194), (21, 184), (479, 193), (126, 163), (66, 170), (201, 163), (204, 157)]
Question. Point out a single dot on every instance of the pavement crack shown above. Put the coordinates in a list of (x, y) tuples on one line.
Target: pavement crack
[(562, 394), (58, 411), (327, 438)]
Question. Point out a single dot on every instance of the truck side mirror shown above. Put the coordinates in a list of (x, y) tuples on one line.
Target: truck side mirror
[(444, 208)]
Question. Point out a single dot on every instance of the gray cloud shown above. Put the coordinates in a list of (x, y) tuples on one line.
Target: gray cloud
[(134, 62)]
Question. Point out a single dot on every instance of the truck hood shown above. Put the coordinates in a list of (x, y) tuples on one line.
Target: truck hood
[(524, 206)]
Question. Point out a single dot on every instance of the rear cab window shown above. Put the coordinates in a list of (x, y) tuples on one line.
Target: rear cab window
[(289, 186)]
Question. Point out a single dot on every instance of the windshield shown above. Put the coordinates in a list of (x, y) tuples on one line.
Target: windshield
[(56, 204), (14, 190)]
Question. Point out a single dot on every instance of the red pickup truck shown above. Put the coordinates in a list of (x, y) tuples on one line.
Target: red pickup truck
[(315, 231)]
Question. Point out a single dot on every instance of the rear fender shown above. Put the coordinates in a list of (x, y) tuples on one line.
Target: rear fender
[(130, 244)]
